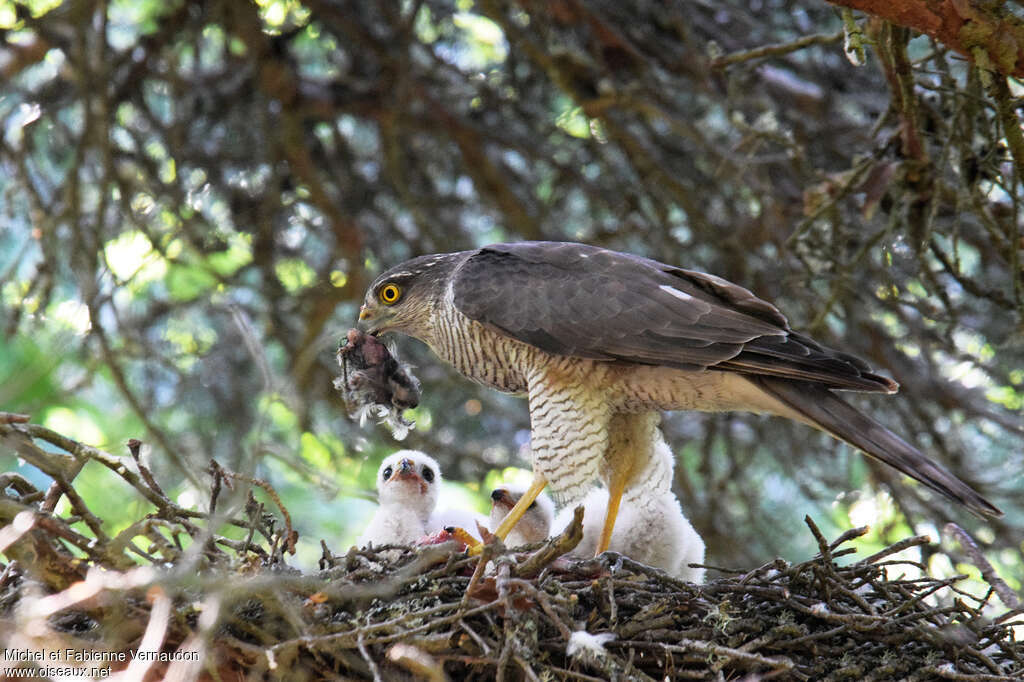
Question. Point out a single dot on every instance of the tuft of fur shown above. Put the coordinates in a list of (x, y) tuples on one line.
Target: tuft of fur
[(586, 646), (375, 384)]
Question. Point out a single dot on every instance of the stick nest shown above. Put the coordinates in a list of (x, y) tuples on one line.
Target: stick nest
[(217, 606)]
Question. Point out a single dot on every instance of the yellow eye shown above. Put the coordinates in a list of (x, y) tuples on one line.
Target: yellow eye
[(389, 294)]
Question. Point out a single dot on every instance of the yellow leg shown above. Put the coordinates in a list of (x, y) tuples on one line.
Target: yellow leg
[(512, 518), (616, 486)]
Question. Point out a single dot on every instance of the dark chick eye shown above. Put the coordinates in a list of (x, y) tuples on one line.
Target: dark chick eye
[(533, 504), (389, 294), (387, 473), (428, 474)]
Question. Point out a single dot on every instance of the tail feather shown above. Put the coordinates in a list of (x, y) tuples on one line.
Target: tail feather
[(824, 410)]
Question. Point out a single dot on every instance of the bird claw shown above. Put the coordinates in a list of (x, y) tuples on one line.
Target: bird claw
[(473, 546)]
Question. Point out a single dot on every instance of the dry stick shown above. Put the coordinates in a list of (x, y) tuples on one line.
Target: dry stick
[(545, 604), (48, 464), (1006, 594), (837, 585), (849, 535), (707, 648), (492, 548), (83, 453), (55, 491), (906, 543), (112, 462), (53, 525), (476, 638), (502, 583), (269, 489), (613, 608), (776, 50), (922, 595), (555, 547), (134, 446), (218, 478), (26, 491), (823, 546), (366, 657), (947, 674), (526, 669), (349, 639)]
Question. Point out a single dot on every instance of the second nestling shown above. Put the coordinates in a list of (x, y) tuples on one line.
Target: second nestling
[(535, 526)]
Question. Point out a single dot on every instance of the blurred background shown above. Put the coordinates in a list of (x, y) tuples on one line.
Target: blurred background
[(194, 197)]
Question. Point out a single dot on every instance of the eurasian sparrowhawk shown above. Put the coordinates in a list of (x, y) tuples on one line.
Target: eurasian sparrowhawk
[(598, 340)]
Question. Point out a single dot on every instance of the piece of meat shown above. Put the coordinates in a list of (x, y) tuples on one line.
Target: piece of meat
[(373, 382)]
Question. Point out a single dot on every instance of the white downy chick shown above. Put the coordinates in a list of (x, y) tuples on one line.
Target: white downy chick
[(535, 526), (408, 484), (650, 527)]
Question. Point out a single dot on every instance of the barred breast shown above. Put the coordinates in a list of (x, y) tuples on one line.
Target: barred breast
[(482, 355)]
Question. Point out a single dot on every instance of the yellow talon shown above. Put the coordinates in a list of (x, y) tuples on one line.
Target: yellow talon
[(462, 535)]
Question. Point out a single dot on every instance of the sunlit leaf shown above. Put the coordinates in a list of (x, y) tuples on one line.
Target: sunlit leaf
[(294, 274)]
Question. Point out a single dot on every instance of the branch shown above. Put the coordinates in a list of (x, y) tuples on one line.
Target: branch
[(990, 38)]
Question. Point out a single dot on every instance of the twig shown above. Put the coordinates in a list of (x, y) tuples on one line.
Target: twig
[(134, 447), (776, 50), (555, 547), (366, 656), (915, 541), (1006, 595)]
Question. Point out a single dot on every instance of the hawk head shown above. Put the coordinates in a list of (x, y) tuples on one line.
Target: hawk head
[(409, 479), (403, 298)]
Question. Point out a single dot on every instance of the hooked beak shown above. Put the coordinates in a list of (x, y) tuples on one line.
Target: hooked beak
[(365, 322)]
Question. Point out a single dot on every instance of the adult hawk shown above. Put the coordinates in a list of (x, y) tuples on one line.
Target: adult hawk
[(598, 340)]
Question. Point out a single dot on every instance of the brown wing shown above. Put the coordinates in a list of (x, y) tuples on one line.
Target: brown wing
[(579, 300)]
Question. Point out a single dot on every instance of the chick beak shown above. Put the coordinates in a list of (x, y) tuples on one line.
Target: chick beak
[(500, 497), (406, 469)]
